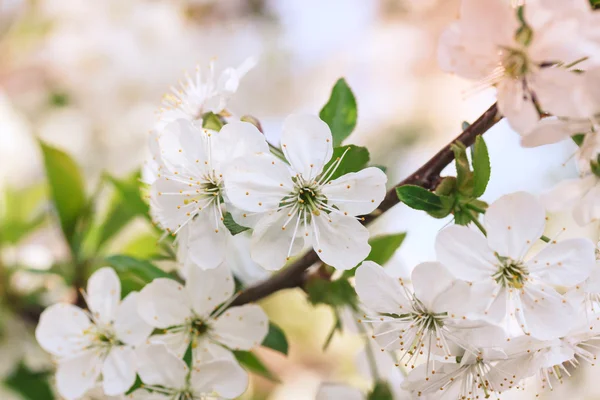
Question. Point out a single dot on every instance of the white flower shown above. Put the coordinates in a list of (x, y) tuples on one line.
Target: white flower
[(423, 322), (195, 97), (94, 343), (299, 202), (188, 194), (331, 391), (166, 377), (509, 282), (485, 45), (188, 314), (582, 195)]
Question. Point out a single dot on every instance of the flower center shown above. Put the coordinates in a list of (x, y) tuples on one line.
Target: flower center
[(511, 274), (515, 63), (199, 327), (306, 197)]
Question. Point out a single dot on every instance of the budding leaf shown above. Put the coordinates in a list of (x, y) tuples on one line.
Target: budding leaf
[(134, 273), (253, 364), (353, 159), (464, 175), (233, 226), (422, 199), (481, 167), (465, 125), (66, 188), (276, 339), (340, 112)]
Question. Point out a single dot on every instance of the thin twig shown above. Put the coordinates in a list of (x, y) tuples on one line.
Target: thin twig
[(428, 176)]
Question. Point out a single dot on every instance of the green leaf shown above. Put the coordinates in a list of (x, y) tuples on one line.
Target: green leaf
[(383, 247), (129, 190), (381, 391), (212, 121), (276, 339), (134, 273), (420, 198), (21, 212), (481, 167), (340, 112), (233, 226), (335, 293), (578, 138), (66, 188), (253, 364), (464, 175), (31, 385), (351, 158)]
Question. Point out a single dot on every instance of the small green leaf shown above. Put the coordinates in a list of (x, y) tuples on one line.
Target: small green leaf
[(233, 226), (578, 138), (31, 385), (134, 273), (354, 159), (464, 175), (381, 391), (253, 364), (66, 188), (465, 125), (335, 293), (383, 247), (212, 121), (276, 339), (481, 167), (340, 112), (420, 198), (595, 166)]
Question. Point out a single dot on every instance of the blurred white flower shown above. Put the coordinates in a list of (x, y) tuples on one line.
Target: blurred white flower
[(166, 377), (189, 314), (506, 281), (582, 195), (291, 205), (331, 391), (101, 341), (188, 194)]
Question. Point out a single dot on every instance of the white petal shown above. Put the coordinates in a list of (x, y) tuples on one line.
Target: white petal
[(357, 193), (307, 144), (588, 209), (517, 106), (340, 241), (207, 289), (202, 244), (337, 392), (379, 291), (257, 183), (164, 303), (430, 280), (567, 194), (61, 329), (224, 377), (143, 394), (271, 245), (234, 140), (104, 294), (168, 204), (158, 366), (553, 88), (488, 25), (488, 302), (206, 350), (77, 375), (241, 328), (565, 263), (181, 143), (546, 314), (465, 252), (551, 130), (514, 222), (129, 326), (176, 342), (119, 370)]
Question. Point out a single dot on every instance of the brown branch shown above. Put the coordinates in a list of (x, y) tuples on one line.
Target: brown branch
[(428, 176)]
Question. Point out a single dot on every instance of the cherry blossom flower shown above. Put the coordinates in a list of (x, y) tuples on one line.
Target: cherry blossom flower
[(199, 95), (414, 323), (189, 314), (188, 195), (100, 341), (524, 62), (509, 281), (167, 377), (582, 195), (291, 204)]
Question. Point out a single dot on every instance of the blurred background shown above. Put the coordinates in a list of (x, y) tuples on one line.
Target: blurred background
[(88, 76)]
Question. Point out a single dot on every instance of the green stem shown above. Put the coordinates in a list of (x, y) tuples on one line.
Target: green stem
[(477, 223), (475, 208), (276, 151)]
